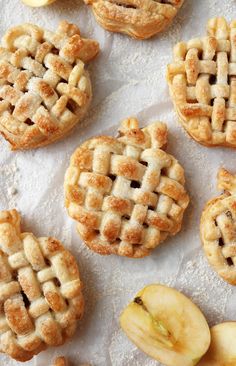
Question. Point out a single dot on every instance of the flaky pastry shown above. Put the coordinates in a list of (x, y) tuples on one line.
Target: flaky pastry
[(40, 291), (45, 89), (140, 19), (218, 228), (202, 81), (126, 194)]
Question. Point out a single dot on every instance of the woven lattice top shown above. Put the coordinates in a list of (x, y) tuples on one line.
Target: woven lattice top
[(40, 291), (44, 87), (218, 228), (202, 83), (126, 194), (139, 19)]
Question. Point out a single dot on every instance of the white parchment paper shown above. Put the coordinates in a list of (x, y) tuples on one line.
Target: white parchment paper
[(128, 79)]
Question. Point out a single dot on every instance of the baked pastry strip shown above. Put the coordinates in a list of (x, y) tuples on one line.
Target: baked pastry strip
[(62, 361)]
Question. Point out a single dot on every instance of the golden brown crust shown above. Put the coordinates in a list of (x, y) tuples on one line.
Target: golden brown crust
[(140, 19), (40, 291), (202, 81), (126, 194), (60, 361), (218, 232), (44, 89)]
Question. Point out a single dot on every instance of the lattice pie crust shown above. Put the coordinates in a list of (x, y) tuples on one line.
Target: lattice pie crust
[(126, 194), (40, 291), (218, 228), (44, 87), (202, 82), (140, 19)]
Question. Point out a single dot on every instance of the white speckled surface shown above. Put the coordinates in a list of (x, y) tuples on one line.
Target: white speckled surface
[(128, 79)]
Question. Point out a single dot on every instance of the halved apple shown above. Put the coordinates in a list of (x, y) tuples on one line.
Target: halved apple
[(222, 351), (167, 326), (38, 3)]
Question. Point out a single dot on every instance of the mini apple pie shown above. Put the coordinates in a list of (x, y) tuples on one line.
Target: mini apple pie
[(45, 89), (40, 291), (139, 19), (202, 81), (218, 228), (126, 194)]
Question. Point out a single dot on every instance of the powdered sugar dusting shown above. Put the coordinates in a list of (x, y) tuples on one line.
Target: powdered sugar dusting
[(128, 79), (194, 276), (9, 178)]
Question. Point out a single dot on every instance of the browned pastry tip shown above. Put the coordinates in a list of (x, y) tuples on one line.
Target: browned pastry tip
[(60, 361)]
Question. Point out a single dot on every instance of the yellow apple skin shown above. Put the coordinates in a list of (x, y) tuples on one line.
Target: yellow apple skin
[(37, 3), (222, 351), (167, 326)]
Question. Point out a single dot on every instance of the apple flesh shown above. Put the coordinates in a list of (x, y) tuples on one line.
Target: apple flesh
[(38, 3), (167, 326), (222, 351)]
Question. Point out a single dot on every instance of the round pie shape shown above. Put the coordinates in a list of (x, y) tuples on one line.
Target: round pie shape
[(45, 89), (139, 19), (40, 291), (202, 81), (126, 194), (218, 228)]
